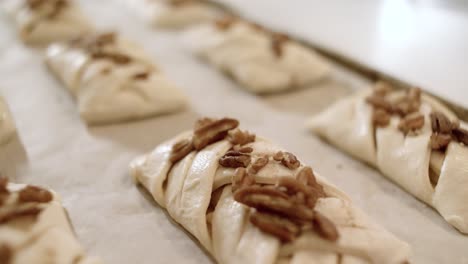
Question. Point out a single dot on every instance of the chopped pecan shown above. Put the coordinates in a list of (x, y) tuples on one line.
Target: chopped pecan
[(272, 200), (235, 159), (324, 227), (115, 57), (414, 94), (440, 141), (406, 106), (259, 163), (277, 43), (378, 101), (241, 149), (18, 213), (225, 23), (411, 122), (461, 135), (141, 76), (34, 194), (440, 123), (242, 179), (6, 254), (277, 226), (180, 150), (212, 131), (380, 117), (239, 137)]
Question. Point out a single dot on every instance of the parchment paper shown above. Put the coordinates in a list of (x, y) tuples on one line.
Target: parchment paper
[(88, 165)]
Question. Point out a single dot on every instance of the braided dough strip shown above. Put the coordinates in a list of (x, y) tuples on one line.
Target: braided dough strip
[(186, 190), (247, 53), (46, 238), (164, 14), (109, 91), (37, 26), (406, 160)]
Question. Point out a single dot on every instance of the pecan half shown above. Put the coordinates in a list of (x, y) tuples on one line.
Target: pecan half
[(180, 150), (272, 200), (235, 159), (19, 212), (324, 227), (241, 179), (239, 137), (378, 101), (212, 131), (34, 194), (241, 149), (259, 163), (6, 254), (380, 117), (440, 123), (461, 135), (440, 141), (287, 159), (277, 226), (277, 43), (411, 122)]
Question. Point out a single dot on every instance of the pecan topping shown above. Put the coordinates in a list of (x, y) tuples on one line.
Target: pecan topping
[(52, 8), (277, 43), (212, 131), (113, 56), (324, 227), (287, 159), (180, 150), (258, 165), (225, 23), (245, 150), (17, 213), (277, 226), (35, 194), (382, 88), (235, 159), (239, 137), (380, 117), (440, 141), (461, 135), (242, 179), (440, 123), (141, 76), (6, 254), (411, 122), (379, 102)]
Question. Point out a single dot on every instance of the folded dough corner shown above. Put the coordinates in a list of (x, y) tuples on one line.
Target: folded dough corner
[(44, 21), (112, 78), (34, 228), (410, 137), (261, 61), (247, 200), (12, 152)]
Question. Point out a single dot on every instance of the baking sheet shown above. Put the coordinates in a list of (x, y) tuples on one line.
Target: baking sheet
[(88, 165)]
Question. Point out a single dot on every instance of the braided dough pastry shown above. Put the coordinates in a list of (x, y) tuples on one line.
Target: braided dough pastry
[(175, 13), (259, 60), (11, 149), (411, 138), (34, 228), (112, 79), (210, 180), (45, 21)]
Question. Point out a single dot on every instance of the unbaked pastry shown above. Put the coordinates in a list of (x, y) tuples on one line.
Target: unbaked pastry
[(175, 13), (112, 79), (262, 62), (34, 228), (411, 138), (248, 201), (44, 21)]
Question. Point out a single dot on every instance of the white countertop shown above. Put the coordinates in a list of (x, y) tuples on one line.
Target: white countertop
[(424, 43)]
